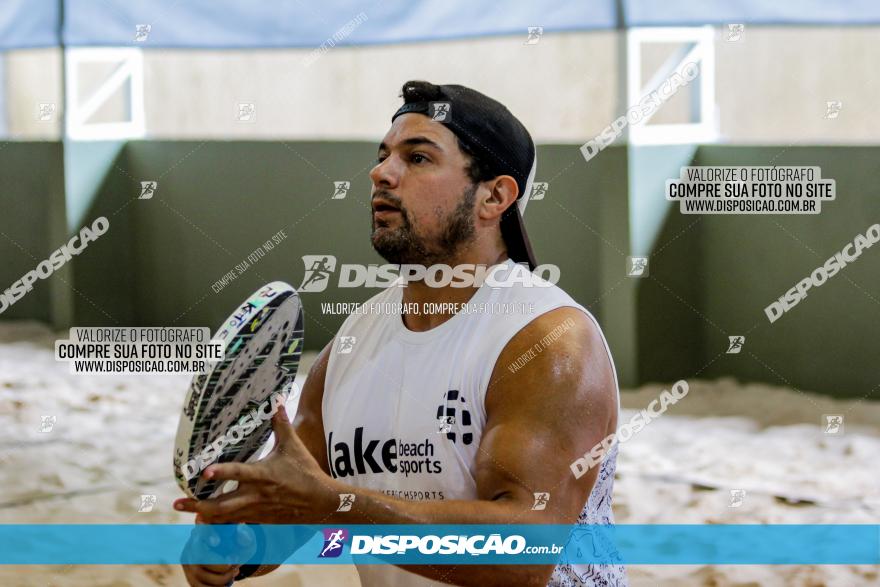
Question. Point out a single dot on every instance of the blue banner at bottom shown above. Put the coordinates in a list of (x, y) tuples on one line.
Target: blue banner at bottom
[(441, 544)]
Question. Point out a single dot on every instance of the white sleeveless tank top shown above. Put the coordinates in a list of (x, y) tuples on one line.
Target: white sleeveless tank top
[(404, 411)]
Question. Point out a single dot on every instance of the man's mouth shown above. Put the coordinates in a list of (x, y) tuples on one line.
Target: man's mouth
[(384, 208)]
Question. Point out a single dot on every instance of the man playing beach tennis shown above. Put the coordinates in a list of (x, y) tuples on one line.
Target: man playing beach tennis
[(459, 417)]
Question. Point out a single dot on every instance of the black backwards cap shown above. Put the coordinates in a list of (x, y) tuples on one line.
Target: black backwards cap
[(494, 135)]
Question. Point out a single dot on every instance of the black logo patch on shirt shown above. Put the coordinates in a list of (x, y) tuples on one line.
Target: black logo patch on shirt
[(447, 416)]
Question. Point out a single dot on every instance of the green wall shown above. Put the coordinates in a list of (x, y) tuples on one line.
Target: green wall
[(32, 226), (216, 202), (669, 310), (713, 275), (710, 276), (830, 340)]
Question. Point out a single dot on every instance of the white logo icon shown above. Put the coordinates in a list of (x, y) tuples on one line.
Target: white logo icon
[(832, 109), (318, 271), (147, 503), (535, 33), (833, 424), (445, 424), (141, 32), (541, 500), (539, 190), (45, 111), (637, 266), (737, 496), (735, 32), (346, 345), (47, 423), (440, 111), (736, 344), (346, 500), (148, 188), (340, 189), (246, 112)]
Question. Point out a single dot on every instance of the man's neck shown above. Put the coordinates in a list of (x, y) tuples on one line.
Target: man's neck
[(429, 300)]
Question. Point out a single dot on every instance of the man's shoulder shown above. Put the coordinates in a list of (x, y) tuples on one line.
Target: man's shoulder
[(564, 340), (569, 325), (559, 364)]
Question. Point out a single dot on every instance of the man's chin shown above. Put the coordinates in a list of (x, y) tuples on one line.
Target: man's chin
[(396, 246), (385, 249)]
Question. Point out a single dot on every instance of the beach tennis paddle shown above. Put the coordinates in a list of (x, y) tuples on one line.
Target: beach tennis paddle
[(227, 411)]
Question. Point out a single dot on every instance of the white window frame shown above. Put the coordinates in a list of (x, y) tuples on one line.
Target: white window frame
[(699, 47), (130, 69)]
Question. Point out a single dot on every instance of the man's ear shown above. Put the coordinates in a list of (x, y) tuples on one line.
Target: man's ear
[(496, 196)]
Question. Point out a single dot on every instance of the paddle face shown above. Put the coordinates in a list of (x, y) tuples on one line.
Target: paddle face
[(227, 412)]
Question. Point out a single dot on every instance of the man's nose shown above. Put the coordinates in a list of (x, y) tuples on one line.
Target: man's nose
[(386, 173)]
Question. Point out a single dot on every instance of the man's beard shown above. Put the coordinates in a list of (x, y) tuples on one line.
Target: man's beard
[(403, 246)]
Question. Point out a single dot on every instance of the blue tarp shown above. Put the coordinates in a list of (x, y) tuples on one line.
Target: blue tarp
[(231, 24), (768, 12), (29, 23), (298, 23)]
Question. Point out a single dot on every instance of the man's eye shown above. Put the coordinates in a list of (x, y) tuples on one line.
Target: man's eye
[(418, 158), (379, 159)]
